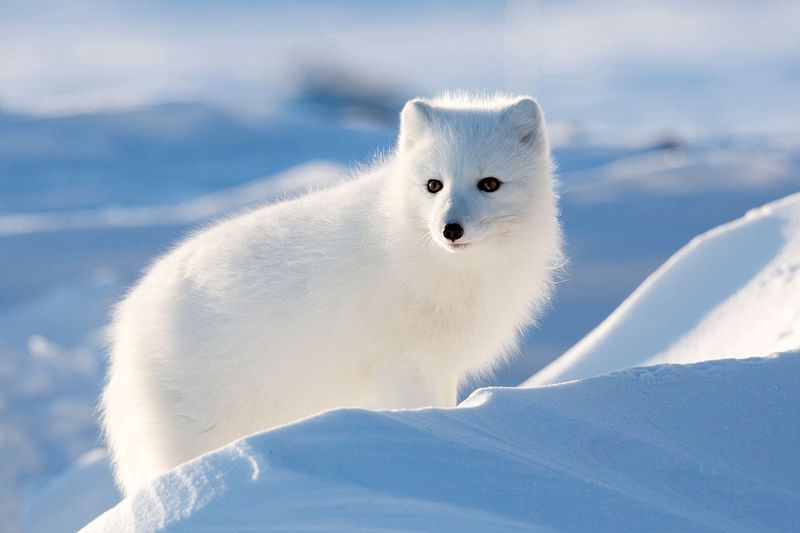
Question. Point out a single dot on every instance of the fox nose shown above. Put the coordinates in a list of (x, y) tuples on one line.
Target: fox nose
[(453, 232)]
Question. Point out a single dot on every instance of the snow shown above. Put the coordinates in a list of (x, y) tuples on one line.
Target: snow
[(728, 293), (675, 171), (90, 479), (707, 446), (299, 179), (49, 384)]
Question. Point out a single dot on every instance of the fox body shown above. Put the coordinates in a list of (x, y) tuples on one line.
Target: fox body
[(385, 291)]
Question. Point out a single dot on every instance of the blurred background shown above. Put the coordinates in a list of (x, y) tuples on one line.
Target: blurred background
[(123, 125)]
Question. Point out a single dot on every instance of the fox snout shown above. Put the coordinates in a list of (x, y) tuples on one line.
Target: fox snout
[(453, 231)]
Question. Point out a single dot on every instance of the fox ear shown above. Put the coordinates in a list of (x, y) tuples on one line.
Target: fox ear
[(415, 120), (526, 119)]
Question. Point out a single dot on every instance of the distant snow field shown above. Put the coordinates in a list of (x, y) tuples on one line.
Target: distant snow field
[(297, 180)]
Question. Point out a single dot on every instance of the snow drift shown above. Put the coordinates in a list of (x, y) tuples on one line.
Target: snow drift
[(731, 292), (666, 448)]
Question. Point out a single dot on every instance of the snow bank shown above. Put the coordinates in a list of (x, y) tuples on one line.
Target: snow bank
[(670, 447), (732, 292)]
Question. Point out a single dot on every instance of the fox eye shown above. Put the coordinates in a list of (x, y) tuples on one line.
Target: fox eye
[(489, 184), (434, 186)]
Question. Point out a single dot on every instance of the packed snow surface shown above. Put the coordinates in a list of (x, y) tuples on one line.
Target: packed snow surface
[(731, 292), (708, 446)]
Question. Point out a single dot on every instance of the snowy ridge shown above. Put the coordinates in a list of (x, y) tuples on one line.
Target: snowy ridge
[(668, 448), (297, 179), (725, 294)]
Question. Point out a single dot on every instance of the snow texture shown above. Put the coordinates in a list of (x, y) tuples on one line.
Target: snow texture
[(728, 293), (708, 446)]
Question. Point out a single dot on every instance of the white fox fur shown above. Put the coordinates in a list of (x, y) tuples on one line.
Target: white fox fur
[(349, 296)]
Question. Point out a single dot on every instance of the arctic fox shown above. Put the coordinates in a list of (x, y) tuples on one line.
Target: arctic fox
[(383, 292)]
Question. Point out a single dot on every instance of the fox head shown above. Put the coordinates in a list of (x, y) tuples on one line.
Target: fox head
[(476, 172)]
